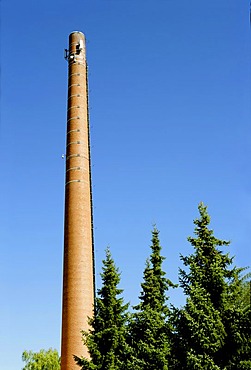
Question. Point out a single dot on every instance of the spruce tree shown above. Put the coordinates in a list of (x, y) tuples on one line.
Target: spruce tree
[(106, 340), (207, 331), (149, 327)]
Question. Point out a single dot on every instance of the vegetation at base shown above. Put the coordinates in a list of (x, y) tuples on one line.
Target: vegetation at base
[(42, 360), (212, 331)]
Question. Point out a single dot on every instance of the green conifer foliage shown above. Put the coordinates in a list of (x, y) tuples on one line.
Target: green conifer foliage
[(149, 327), (106, 339), (236, 352), (208, 265), (208, 328)]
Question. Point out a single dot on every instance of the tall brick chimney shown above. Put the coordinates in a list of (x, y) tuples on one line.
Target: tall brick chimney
[(78, 275)]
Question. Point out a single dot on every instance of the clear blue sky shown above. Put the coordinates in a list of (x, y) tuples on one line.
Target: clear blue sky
[(170, 116)]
